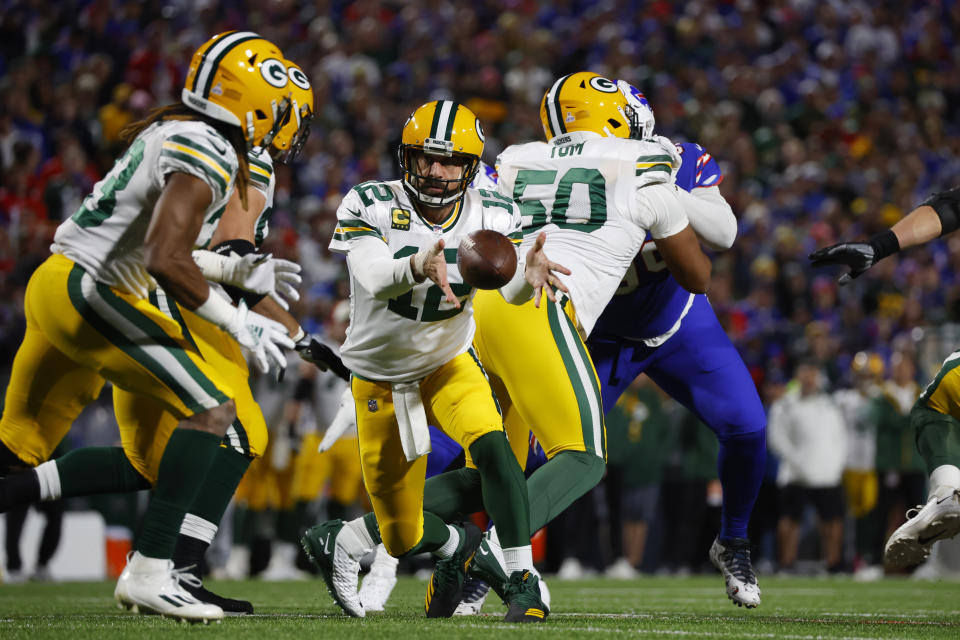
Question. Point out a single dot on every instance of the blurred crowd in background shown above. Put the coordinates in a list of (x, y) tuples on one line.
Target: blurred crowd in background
[(830, 120)]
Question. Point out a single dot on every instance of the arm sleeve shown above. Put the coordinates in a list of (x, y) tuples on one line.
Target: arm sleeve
[(659, 210), (377, 271), (369, 257), (203, 154), (710, 216)]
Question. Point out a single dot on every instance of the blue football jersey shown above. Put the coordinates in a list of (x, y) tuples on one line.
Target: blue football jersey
[(650, 300)]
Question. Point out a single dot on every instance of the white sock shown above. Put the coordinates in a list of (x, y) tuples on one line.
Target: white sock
[(517, 558), (450, 546), (363, 541), (196, 527), (492, 536), (944, 479), (49, 480)]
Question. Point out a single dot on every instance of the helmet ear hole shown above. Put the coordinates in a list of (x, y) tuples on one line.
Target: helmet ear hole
[(613, 123), (260, 114)]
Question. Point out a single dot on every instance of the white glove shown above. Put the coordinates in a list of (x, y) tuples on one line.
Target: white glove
[(672, 149), (258, 334), (345, 418), (255, 272)]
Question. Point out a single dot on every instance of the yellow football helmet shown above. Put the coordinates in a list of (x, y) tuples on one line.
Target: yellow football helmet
[(585, 101), (240, 78), (294, 131), (442, 128)]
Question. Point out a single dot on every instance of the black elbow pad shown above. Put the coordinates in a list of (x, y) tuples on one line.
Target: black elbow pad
[(241, 248), (947, 206)]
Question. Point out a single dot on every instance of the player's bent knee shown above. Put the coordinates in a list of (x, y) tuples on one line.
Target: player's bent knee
[(214, 420)]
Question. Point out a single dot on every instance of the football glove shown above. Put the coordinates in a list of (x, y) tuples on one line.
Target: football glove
[(323, 357), (859, 256), (254, 272)]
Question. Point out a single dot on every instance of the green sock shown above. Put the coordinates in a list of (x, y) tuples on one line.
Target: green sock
[(453, 495), (221, 483), (555, 485), (93, 470), (435, 533), (504, 488), (370, 522), (337, 510), (301, 517), (938, 437), (183, 469)]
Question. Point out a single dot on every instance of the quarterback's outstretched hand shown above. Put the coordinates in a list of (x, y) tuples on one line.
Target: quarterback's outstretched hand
[(431, 263), (541, 272), (859, 256)]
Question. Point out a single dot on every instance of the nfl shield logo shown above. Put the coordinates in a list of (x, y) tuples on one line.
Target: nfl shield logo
[(372, 406)]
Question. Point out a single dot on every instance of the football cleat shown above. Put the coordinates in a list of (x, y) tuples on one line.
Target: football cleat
[(733, 560), (376, 587), (192, 583), (445, 587), (475, 592), (324, 545), (488, 567), (939, 519), (152, 586), (522, 595)]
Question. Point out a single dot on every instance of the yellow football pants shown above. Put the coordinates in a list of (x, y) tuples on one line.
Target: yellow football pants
[(80, 332), (145, 427), (542, 374), (458, 400)]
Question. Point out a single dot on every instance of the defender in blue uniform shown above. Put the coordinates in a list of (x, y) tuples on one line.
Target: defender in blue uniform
[(654, 326)]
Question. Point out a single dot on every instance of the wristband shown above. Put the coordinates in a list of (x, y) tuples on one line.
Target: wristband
[(884, 244)]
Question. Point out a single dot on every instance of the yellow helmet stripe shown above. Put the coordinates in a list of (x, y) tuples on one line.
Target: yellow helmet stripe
[(203, 80), (552, 104), (443, 117)]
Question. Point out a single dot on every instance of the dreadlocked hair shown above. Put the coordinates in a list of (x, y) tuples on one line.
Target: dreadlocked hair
[(180, 111)]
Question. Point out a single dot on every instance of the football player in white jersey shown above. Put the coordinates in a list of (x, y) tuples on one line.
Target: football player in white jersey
[(145, 426), (596, 193), (409, 349), (88, 313)]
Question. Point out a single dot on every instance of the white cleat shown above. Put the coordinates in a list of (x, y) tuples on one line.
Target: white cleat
[(325, 545), (151, 586), (939, 519), (733, 561), (475, 592), (376, 587)]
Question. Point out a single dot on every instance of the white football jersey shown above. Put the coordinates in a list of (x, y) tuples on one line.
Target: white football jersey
[(584, 191), (408, 337), (105, 236), (263, 179)]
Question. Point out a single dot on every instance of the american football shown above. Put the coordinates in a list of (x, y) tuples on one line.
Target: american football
[(486, 259)]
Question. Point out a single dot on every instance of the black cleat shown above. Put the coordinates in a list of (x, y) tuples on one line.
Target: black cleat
[(446, 583), (522, 594)]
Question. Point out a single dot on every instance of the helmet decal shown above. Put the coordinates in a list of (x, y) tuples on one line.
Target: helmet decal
[(602, 84), (298, 78), (483, 138), (274, 72)]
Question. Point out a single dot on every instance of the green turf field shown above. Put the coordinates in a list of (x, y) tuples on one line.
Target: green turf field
[(792, 609)]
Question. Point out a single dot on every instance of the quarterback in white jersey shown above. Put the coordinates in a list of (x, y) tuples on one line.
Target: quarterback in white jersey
[(409, 348)]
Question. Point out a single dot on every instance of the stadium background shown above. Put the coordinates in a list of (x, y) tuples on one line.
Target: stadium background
[(830, 120)]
